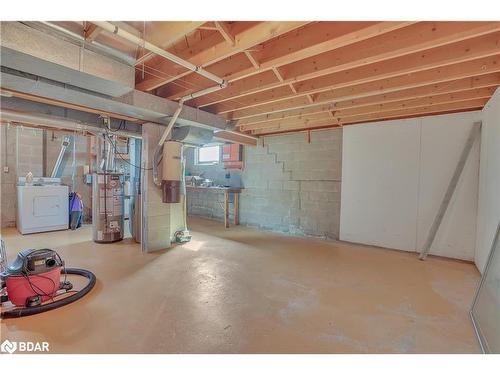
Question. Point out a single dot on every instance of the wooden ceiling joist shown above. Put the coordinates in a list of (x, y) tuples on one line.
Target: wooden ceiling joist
[(304, 42), (469, 105), (402, 82), (462, 51), (252, 59), (287, 76), (346, 111), (165, 34), (486, 81), (223, 28), (207, 53)]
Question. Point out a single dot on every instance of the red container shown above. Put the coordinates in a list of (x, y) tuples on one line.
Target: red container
[(19, 288)]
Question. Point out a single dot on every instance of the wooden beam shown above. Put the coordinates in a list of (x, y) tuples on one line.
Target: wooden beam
[(252, 59), (357, 69), (235, 137), (414, 38), (381, 116), (344, 112), (91, 31), (314, 39), (402, 82), (223, 28), (490, 81), (277, 74), (165, 34), (207, 28), (204, 55), (309, 40)]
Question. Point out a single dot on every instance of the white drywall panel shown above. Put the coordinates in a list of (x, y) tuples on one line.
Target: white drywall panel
[(442, 141), (394, 176), (489, 181), (379, 183)]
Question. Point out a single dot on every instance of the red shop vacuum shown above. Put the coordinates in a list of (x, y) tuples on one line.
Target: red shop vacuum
[(37, 282)]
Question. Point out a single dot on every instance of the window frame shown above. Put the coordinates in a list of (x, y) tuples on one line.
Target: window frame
[(197, 155)]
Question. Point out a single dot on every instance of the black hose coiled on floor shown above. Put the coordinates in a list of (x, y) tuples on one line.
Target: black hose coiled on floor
[(26, 311)]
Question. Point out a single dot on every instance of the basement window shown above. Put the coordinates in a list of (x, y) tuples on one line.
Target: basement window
[(208, 155)]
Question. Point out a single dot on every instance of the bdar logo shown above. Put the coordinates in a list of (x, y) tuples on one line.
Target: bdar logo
[(8, 347)]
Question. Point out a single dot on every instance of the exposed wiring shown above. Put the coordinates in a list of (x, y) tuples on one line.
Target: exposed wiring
[(119, 155)]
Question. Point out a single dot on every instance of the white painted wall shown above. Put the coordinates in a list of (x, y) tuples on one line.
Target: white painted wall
[(380, 184), (394, 175), (489, 181)]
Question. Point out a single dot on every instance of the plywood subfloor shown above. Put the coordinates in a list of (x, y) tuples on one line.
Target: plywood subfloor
[(245, 291)]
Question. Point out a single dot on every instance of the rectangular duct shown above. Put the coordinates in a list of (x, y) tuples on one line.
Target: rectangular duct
[(63, 61)]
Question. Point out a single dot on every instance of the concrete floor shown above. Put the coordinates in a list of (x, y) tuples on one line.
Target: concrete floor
[(245, 291)]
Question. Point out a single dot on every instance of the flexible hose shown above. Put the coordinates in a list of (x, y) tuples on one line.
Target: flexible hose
[(26, 311)]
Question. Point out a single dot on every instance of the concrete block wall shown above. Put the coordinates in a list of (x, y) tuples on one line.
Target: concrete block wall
[(290, 185), (293, 185), (8, 193), (208, 204), (21, 152), (29, 151)]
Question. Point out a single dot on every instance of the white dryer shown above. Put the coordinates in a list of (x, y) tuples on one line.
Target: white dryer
[(43, 206)]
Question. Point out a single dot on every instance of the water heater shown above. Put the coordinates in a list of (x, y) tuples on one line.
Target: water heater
[(107, 206), (171, 172)]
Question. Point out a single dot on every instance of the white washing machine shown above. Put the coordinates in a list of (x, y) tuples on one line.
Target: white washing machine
[(43, 206)]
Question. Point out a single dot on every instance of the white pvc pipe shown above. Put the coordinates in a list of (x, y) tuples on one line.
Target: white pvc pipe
[(108, 26), (206, 91), (171, 124)]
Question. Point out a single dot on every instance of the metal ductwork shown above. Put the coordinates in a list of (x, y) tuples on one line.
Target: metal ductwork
[(192, 135), (69, 63), (38, 119)]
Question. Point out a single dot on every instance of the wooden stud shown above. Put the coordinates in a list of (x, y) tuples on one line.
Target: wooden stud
[(278, 74), (226, 209), (252, 59), (236, 204), (223, 28)]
